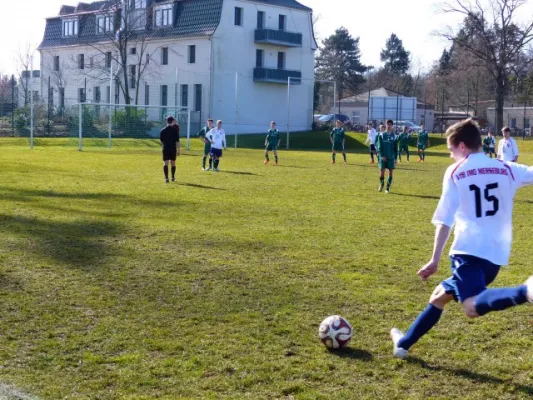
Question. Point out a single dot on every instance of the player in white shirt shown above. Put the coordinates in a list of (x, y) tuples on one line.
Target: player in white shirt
[(371, 138), (477, 197), (217, 137), (507, 147)]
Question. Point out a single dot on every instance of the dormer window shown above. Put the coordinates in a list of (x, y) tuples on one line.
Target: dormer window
[(137, 4), (163, 16), (103, 23), (70, 27)]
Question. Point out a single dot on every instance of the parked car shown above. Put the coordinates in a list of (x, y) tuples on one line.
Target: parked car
[(326, 121), (411, 125)]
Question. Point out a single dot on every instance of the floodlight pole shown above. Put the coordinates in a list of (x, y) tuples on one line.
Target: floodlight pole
[(110, 97), (236, 106), (31, 103), (288, 110), (80, 117)]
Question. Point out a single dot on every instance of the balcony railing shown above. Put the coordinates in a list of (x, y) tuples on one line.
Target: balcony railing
[(278, 38), (277, 75)]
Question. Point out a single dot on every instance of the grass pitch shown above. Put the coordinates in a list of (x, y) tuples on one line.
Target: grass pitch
[(115, 285)]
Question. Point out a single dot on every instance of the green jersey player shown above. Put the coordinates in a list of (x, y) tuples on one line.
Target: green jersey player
[(207, 144), (387, 148), (489, 144), (422, 143), (403, 143), (272, 142), (337, 138)]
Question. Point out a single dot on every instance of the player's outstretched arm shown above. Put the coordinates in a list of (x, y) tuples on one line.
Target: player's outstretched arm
[(442, 232)]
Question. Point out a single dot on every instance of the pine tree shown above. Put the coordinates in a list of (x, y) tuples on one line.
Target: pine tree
[(395, 57)]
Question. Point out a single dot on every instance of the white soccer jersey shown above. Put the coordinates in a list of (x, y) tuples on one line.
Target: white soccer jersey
[(372, 134), (217, 138), (507, 149), (477, 196)]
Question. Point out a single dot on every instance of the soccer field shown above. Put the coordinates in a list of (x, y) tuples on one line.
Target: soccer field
[(114, 284)]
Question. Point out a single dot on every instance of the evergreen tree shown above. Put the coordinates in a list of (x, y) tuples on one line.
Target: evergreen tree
[(395, 57)]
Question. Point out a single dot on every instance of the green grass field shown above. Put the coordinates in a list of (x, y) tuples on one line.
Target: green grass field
[(115, 285)]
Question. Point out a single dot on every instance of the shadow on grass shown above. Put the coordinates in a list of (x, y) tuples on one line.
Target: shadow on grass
[(356, 354), (239, 173), (369, 165), (194, 185), (420, 196), (473, 376), (83, 244)]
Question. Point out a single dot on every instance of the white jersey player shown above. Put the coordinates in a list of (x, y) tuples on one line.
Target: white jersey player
[(507, 147), (371, 139), (217, 137), (477, 198)]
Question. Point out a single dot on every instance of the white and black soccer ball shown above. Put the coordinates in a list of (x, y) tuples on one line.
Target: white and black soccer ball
[(335, 332)]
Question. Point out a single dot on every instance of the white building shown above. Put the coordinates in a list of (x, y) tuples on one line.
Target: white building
[(29, 85), (224, 59)]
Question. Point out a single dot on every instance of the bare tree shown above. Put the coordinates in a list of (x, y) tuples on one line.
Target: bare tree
[(494, 38), (24, 61)]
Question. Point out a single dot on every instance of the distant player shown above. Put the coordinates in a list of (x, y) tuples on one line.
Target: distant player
[(337, 138), (371, 139), (489, 144), (422, 143), (403, 143), (477, 197), (272, 141), (507, 147), (170, 139), (387, 149), (217, 138), (207, 144)]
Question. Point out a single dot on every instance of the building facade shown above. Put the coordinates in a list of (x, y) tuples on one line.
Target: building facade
[(224, 59)]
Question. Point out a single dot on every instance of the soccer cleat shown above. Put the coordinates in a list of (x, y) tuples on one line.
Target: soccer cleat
[(380, 188), (207, 169), (333, 161), (173, 179), (216, 169), (387, 190), (276, 164), (529, 285), (166, 180), (398, 352), (203, 169), (266, 162)]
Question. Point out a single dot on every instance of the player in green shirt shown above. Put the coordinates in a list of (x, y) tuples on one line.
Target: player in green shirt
[(403, 143), (387, 148), (489, 145), (337, 138), (272, 142), (207, 144), (422, 143)]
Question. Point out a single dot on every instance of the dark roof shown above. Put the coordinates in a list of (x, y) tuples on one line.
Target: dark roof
[(285, 3), (192, 18)]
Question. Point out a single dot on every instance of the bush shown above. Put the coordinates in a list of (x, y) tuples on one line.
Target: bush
[(131, 121)]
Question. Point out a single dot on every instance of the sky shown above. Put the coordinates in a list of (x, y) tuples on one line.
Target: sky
[(413, 21)]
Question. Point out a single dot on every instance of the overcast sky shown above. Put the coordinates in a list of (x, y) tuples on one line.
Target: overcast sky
[(22, 22)]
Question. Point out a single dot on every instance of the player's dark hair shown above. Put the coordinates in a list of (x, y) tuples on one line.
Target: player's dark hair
[(170, 119), (467, 132), (210, 120), (390, 121), (506, 129)]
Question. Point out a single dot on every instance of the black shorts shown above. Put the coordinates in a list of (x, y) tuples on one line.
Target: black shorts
[(373, 148), (170, 154)]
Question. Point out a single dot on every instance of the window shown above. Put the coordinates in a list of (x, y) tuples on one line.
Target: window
[(51, 97), (103, 24), (70, 27), (281, 60), (260, 19), (91, 62), (117, 92), (81, 95), (62, 97), (526, 123), (164, 95), (81, 61), (259, 54), (108, 59), (147, 59), (192, 54), (133, 50), (35, 95), (137, 4), (146, 95), (164, 56), (513, 123), (282, 22), (133, 76), (97, 97), (238, 16), (108, 94), (184, 95), (56, 63), (163, 16), (197, 97)]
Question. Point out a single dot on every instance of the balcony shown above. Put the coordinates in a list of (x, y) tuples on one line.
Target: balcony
[(277, 75), (278, 38)]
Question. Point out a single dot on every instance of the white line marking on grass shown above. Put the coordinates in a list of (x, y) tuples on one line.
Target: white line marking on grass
[(8, 392)]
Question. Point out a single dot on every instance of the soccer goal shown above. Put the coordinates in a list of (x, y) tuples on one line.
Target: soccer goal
[(107, 123)]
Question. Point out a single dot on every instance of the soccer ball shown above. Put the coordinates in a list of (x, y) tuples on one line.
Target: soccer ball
[(335, 332)]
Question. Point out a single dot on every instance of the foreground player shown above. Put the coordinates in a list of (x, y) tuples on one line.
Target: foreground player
[(403, 143), (371, 139), (387, 148), (217, 138), (337, 138), (477, 197), (170, 139), (272, 142), (422, 143), (207, 144)]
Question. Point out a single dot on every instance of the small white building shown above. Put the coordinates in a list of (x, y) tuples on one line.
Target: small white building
[(224, 59)]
